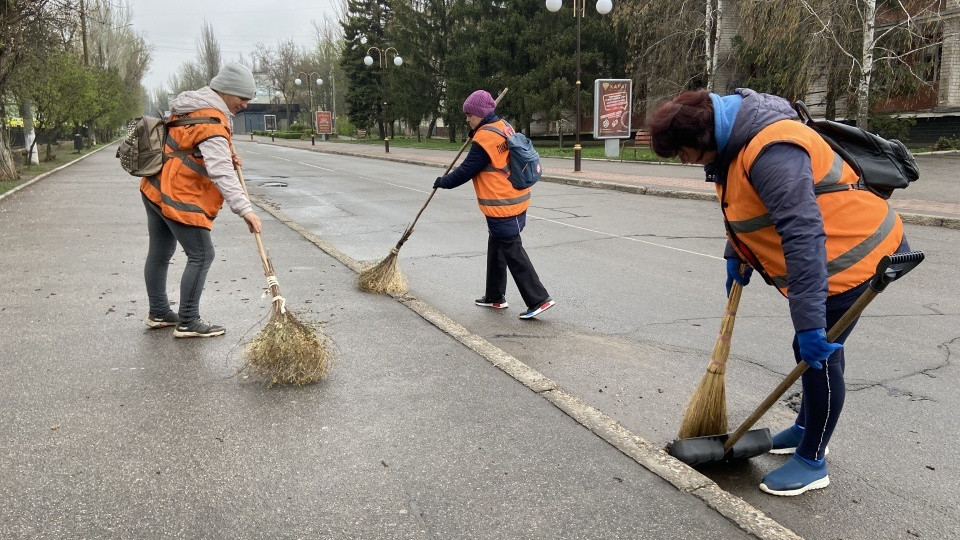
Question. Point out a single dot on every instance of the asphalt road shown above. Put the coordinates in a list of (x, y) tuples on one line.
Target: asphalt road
[(112, 430), (639, 286)]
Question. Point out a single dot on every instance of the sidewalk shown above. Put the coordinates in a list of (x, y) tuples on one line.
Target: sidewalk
[(936, 195), (112, 430)]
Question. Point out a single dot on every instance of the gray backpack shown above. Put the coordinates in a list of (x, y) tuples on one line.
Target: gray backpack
[(141, 151), (523, 167)]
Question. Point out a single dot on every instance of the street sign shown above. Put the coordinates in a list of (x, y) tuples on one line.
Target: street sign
[(612, 99), (324, 122), (270, 122)]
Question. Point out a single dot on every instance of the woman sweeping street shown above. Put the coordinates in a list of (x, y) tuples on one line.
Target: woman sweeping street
[(185, 197), (504, 207), (793, 214)]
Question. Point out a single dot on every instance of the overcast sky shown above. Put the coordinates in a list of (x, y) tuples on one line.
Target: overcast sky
[(172, 28)]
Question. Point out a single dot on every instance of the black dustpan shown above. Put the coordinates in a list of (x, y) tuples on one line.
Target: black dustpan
[(744, 444)]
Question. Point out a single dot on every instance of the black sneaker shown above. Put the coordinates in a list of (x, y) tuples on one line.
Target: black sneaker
[(533, 311), (163, 321), (499, 304), (198, 328)]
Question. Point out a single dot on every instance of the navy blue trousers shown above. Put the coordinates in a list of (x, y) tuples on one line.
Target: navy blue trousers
[(824, 389)]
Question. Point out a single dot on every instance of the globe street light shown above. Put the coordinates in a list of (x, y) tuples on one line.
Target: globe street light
[(382, 57), (579, 10), (298, 82)]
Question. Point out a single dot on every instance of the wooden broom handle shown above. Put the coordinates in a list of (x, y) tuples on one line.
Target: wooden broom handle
[(851, 315), (721, 349), (406, 233), (267, 267)]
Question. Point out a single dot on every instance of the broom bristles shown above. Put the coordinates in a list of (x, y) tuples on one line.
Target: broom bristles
[(707, 412), (288, 351), (383, 277)]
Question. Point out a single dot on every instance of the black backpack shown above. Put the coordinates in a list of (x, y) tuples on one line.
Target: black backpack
[(883, 165)]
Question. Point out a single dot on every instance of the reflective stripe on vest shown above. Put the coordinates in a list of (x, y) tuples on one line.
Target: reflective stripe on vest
[(183, 190), (496, 196), (187, 161), (860, 227)]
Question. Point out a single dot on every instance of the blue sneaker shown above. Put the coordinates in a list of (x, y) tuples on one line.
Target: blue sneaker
[(795, 477), (787, 440)]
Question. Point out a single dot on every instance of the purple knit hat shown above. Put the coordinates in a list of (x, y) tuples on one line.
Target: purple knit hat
[(480, 103)]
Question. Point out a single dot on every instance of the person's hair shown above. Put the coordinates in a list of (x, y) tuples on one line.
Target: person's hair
[(686, 120)]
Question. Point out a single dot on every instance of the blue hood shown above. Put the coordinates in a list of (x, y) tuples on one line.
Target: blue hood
[(725, 111)]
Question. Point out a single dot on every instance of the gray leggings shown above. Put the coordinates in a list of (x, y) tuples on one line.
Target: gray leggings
[(196, 243)]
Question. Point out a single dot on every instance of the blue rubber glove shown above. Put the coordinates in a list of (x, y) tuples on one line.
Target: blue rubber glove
[(814, 347), (733, 273), (436, 183)]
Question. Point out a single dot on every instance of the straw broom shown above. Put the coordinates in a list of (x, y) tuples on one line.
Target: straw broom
[(385, 276), (286, 351), (707, 412)]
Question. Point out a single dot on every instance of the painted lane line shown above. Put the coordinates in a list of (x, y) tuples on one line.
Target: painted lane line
[(317, 167), (631, 239)]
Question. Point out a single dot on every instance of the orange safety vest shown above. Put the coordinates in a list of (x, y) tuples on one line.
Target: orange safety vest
[(860, 227), (495, 194), (183, 189)]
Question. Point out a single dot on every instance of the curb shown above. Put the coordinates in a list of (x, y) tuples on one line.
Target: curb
[(39, 177), (926, 220), (685, 478)]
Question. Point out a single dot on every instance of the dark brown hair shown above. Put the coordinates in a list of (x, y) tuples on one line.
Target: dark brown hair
[(686, 120)]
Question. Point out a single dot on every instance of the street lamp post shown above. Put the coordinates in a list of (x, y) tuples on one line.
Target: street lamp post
[(579, 10), (298, 82), (382, 57)]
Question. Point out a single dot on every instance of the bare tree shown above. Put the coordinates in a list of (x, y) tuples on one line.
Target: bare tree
[(208, 52), (893, 35), (328, 35), (667, 47), (279, 67)]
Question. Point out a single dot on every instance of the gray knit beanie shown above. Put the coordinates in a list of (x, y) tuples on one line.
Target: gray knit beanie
[(235, 79)]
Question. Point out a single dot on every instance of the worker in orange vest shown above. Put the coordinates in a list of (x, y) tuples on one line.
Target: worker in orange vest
[(504, 207), (794, 213), (185, 197)]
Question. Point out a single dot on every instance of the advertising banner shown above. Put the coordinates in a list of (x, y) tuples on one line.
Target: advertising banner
[(324, 123), (270, 122), (612, 99)]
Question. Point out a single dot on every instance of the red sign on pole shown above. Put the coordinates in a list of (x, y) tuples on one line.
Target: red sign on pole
[(324, 122), (611, 109)]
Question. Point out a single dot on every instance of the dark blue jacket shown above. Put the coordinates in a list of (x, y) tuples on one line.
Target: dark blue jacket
[(783, 178)]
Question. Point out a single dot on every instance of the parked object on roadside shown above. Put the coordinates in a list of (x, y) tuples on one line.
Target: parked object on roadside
[(793, 213), (503, 205)]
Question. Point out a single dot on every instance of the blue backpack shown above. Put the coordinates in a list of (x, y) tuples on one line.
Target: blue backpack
[(523, 166)]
